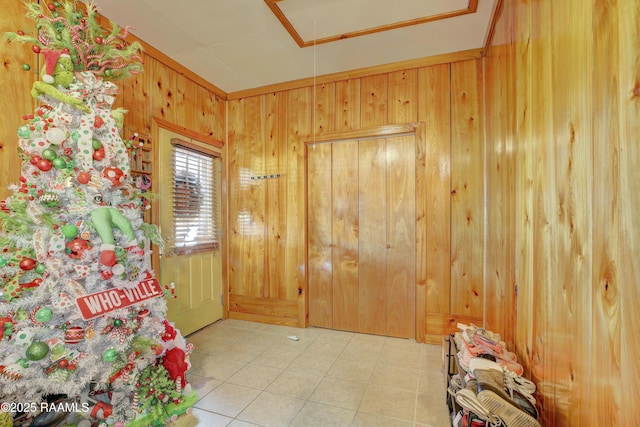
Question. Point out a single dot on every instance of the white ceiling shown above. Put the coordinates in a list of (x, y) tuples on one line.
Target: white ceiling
[(241, 44)]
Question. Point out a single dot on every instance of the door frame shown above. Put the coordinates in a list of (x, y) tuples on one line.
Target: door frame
[(156, 214), (418, 130)]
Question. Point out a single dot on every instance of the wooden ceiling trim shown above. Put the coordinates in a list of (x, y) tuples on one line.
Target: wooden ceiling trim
[(280, 15)]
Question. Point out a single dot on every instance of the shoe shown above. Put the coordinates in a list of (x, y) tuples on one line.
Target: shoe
[(467, 398), (478, 351), (513, 382), (516, 412)]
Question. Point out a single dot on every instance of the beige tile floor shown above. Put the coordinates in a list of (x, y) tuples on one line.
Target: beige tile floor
[(249, 374)]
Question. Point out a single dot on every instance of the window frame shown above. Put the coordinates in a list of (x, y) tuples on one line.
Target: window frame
[(215, 156)]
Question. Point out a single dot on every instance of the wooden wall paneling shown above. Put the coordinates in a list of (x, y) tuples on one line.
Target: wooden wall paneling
[(275, 214), (209, 113), (421, 233), (402, 97), (605, 397), (160, 85), (572, 106), (367, 201), (299, 130), (373, 101), (254, 239), (544, 193), (467, 190), (347, 105), (239, 178), (136, 101), (629, 269), (318, 209), (319, 232), (346, 260), (186, 104), (500, 110), (219, 124), (15, 87), (525, 165), (324, 112), (434, 253), (401, 236)]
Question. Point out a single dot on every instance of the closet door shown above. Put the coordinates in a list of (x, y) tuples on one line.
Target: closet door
[(361, 235)]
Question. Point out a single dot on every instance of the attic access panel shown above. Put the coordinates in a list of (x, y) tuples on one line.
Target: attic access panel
[(312, 22)]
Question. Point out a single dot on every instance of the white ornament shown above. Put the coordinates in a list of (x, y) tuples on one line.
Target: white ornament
[(117, 269), (56, 136)]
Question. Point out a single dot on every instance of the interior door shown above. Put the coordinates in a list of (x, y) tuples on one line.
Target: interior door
[(362, 235), (197, 277)]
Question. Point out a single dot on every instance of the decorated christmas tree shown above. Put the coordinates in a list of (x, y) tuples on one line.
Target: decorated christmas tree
[(82, 317)]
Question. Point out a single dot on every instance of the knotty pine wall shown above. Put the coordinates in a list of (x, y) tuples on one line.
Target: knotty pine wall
[(563, 196), (15, 88), (266, 236)]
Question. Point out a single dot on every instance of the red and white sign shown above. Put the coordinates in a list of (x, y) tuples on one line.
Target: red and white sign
[(103, 302)]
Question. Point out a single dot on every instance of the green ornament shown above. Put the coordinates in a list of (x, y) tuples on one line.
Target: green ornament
[(69, 231), (24, 132), (41, 268), (117, 323), (59, 163), (57, 351), (38, 350), (24, 362), (26, 67), (110, 355), (49, 154), (43, 315), (96, 144)]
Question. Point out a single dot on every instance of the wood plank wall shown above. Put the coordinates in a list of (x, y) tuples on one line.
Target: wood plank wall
[(15, 88), (266, 135), (563, 126)]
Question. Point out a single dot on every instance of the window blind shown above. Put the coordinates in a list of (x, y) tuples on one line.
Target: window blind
[(194, 200)]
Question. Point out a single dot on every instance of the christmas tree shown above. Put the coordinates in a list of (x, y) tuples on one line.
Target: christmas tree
[(82, 317)]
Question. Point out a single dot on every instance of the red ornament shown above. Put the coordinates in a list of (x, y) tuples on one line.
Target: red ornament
[(98, 40), (76, 248), (99, 154), (44, 165), (84, 177), (62, 364), (27, 264), (74, 335), (35, 48), (35, 159), (51, 6), (20, 32), (98, 122), (115, 175)]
